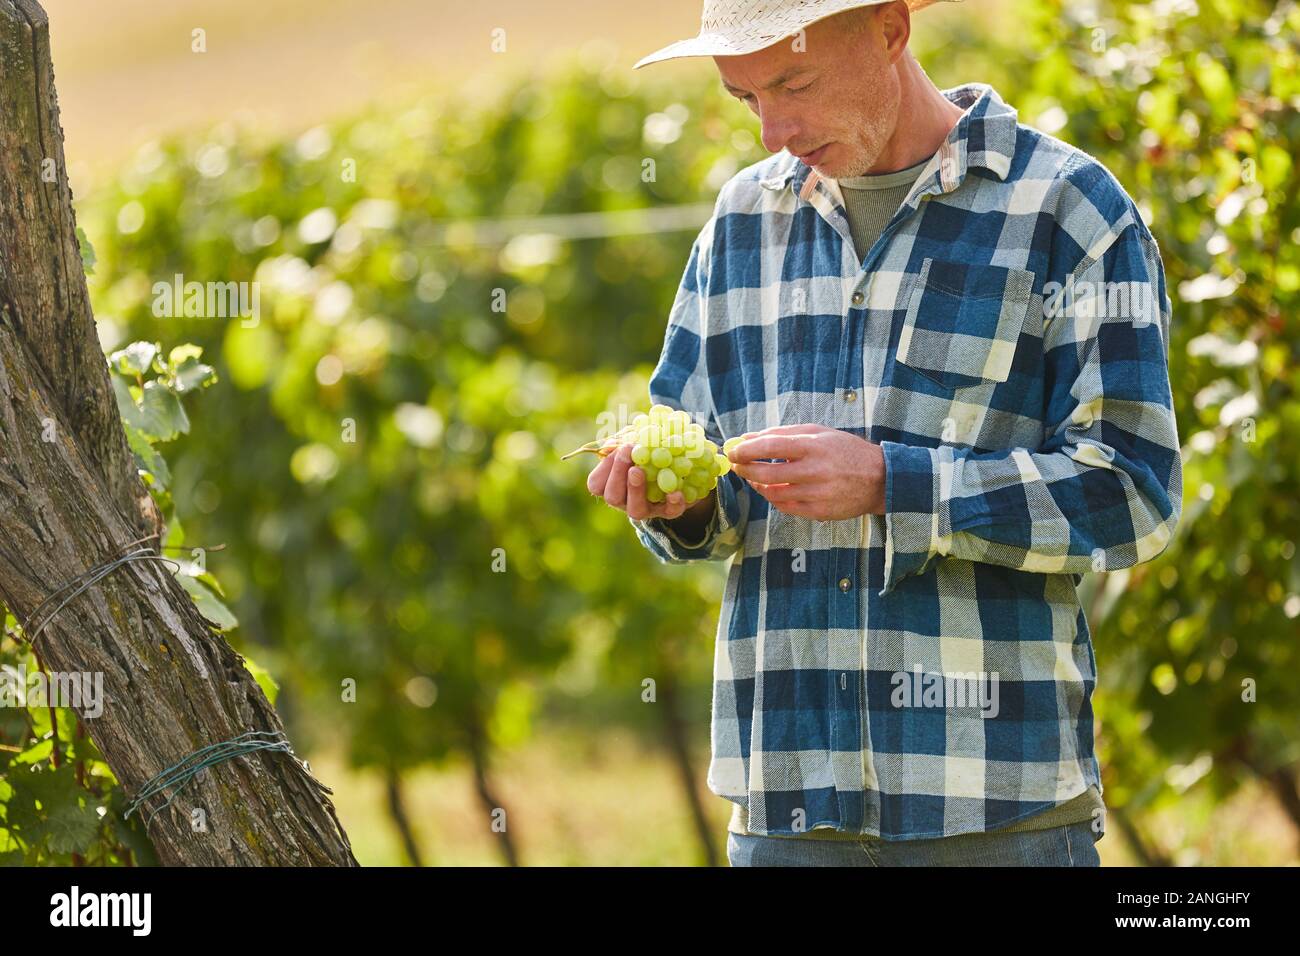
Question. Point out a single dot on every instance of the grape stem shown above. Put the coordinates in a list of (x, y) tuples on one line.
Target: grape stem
[(579, 451), (601, 446)]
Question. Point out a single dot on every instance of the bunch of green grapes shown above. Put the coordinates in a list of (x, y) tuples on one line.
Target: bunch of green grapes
[(673, 452)]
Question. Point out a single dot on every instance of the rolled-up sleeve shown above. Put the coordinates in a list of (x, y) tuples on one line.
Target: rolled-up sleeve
[(722, 537)]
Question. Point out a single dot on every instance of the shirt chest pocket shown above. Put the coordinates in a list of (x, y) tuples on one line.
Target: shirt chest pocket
[(963, 322)]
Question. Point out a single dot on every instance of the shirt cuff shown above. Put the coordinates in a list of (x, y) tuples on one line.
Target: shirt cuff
[(662, 525), (914, 505), (719, 534)]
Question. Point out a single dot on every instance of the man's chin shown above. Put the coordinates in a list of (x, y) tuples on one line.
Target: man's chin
[(835, 167), (831, 170)]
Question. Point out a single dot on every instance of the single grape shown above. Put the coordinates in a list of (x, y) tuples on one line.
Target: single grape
[(691, 495), (640, 454), (683, 466), (661, 457), (667, 479), (641, 420), (675, 444), (654, 494), (651, 473), (731, 443), (724, 464)]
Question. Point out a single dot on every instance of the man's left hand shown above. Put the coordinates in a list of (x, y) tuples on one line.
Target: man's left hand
[(827, 475)]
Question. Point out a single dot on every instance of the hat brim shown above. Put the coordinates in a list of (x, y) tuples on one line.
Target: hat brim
[(708, 45), (716, 44)]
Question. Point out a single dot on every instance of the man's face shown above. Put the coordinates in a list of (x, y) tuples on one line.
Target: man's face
[(833, 104)]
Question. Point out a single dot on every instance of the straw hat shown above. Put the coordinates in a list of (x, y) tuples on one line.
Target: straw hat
[(735, 27)]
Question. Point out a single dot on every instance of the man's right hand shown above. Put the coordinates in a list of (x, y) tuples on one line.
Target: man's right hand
[(623, 486)]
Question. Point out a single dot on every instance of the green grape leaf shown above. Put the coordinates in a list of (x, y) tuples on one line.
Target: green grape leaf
[(47, 785), (191, 374), (87, 252), (158, 414), (70, 828), (147, 456), (22, 817), (130, 833), (57, 793), (136, 359), (127, 406), (35, 753), (164, 411), (211, 581), (264, 679), (183, 353), (210, 606), (187, 370)]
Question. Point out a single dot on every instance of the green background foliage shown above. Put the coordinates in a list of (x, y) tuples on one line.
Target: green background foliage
[(379, 450)]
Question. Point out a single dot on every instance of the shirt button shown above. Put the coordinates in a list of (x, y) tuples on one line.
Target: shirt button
[(850, 396), (858, 298), (845, 584)]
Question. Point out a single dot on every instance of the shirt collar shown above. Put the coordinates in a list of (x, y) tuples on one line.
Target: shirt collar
[(984, 137)]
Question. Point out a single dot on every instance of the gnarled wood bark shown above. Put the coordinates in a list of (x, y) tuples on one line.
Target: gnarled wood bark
[(171, 683)]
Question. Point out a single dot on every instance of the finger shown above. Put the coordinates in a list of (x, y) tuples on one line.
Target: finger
[(637, 505), (781, 494), (616, 486), (789, 472), (599, 476), (788, 447), (674, 506), (800, 509), (805, 429)]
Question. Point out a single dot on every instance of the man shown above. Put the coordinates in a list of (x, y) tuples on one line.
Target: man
[(947, 335)]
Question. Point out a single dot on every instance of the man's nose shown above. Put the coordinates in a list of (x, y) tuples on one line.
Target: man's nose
[(778, 129)]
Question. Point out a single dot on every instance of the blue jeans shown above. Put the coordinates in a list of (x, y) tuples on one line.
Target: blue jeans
[(1069, 845)]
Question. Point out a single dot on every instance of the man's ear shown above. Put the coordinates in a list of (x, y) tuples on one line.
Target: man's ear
[(895, 24)]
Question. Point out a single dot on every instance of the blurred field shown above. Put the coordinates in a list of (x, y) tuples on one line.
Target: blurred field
[(126, 74), (292, 63), (574, 798), (578, 798)]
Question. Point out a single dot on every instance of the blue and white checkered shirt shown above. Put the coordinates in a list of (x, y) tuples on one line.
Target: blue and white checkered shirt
[(926, 672)]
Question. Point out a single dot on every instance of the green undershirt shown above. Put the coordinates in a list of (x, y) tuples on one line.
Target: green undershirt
[(871, 201)]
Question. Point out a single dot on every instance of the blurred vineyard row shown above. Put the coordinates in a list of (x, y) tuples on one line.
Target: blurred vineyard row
[(380, 453)]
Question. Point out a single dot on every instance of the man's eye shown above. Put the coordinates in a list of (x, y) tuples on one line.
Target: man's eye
[(798, 89)]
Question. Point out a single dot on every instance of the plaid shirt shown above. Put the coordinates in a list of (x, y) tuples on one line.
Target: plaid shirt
[(1005, 342)]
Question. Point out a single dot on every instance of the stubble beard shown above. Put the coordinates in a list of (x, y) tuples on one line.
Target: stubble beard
[(878, 128)]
